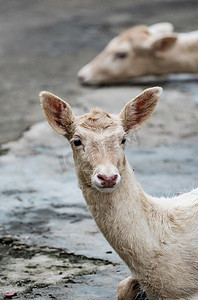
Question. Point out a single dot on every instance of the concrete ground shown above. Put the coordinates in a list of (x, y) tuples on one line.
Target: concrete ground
[(50, 247)]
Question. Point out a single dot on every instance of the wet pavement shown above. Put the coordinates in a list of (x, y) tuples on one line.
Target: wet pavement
[(50, 247)]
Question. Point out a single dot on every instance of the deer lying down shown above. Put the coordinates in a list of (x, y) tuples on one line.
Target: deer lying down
[(156, 237), (141, 51)]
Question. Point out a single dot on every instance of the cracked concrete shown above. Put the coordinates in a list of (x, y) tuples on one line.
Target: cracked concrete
[(24, 267)]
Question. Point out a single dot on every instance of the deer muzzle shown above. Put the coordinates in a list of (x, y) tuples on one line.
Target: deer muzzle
[(106, 180)]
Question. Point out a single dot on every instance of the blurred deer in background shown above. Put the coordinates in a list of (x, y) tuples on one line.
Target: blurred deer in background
[(157, 238), (141, 51)]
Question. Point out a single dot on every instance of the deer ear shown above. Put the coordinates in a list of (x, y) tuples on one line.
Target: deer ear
[(58, 113), (138, 111), (164, 43), (161, 28)]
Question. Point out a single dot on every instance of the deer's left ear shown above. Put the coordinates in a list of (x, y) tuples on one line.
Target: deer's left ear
[(58, 113), (138, 111)]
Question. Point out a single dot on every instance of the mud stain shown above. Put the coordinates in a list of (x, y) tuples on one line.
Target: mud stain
[(24, 267)]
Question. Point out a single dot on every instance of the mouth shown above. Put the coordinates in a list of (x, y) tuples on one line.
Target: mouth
[(93, 84), (105, 189)]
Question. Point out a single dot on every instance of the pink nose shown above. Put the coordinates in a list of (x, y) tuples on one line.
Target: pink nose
[(107, 182), (81, 78)]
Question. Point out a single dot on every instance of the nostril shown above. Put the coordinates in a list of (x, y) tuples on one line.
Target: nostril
[(114, 178), (101, 178)]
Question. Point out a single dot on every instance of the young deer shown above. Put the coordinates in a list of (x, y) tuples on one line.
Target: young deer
[(156, 237), (141, 51)]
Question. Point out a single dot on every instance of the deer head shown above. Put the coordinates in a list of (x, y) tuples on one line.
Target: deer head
[(135, 52), (98, 139)]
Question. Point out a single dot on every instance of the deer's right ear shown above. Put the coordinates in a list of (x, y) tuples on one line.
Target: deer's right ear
[(161, 28), (139, 110), (58, 113)]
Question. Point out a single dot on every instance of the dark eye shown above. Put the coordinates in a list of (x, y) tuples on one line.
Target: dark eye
[(121, 55), (123, 141), (77, 142)]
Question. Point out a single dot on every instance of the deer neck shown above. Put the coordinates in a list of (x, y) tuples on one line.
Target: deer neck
[(122, 216)]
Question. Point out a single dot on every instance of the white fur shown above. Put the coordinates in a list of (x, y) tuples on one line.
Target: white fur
[(157, 238), (143, 57)]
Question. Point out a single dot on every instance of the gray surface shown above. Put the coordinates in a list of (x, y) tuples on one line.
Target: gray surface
[(43, 45)]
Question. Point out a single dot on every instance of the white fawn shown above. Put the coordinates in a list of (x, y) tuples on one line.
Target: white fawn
[(157, 238), (143, 50)]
